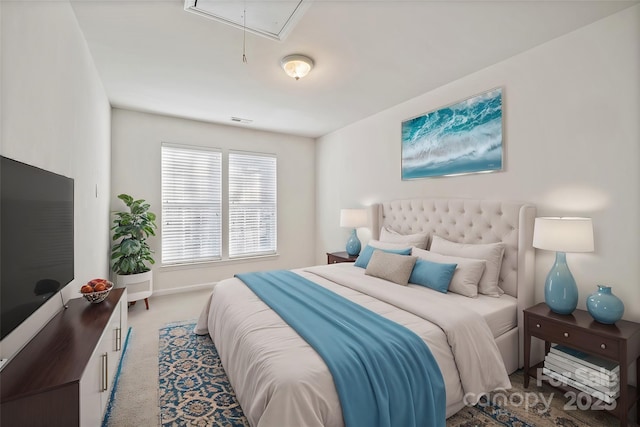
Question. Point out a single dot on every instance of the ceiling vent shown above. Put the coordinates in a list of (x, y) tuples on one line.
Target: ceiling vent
[(241, 120), (271, 19)]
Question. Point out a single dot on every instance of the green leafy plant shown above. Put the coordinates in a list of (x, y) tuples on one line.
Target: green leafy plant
[(132, 252)]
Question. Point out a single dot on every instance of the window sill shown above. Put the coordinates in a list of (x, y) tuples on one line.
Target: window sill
[(227, 261)]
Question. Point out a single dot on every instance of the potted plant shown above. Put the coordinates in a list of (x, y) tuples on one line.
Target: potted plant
[(130, 255)]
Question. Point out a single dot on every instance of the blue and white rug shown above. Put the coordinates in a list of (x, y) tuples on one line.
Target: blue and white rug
[(195, 391)]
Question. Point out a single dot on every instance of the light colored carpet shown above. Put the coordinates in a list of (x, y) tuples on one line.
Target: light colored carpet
[(137, 396), (136, 402)]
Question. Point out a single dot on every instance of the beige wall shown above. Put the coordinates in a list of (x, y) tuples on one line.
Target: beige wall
[(572, 140), (56, 116), (136, 142)]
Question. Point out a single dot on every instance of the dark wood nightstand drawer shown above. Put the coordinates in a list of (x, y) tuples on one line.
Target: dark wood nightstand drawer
[(575, 337), (336, 257), (619, 343)]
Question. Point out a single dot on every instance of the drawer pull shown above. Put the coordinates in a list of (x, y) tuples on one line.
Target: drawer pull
[(537, 325), (566, 334), (603, 346), (104, 380)]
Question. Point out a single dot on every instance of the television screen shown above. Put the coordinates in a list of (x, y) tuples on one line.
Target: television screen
[(36, 240)]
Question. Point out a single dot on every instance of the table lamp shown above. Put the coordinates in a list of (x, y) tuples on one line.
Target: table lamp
[(562, 235), (353, 218)]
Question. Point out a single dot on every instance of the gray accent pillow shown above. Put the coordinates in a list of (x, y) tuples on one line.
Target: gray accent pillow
[(392, 267)]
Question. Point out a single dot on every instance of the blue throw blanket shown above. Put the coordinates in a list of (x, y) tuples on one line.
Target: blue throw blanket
[(385, 375)]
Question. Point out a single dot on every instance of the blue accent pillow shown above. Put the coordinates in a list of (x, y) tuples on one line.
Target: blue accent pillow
[(365, 255), (432, 275)]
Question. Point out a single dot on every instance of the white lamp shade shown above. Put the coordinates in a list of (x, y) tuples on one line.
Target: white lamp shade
[(353, 218), (563, 234)]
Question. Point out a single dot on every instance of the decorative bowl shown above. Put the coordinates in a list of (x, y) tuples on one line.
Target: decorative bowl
[(98, 296)]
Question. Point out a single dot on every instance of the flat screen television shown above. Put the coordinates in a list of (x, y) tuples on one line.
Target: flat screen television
[(36, 239)]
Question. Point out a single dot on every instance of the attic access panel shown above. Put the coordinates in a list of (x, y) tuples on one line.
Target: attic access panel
[(271, 19)]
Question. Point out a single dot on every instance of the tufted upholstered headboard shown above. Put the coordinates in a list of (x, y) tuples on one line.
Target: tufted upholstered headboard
[(472, 221)]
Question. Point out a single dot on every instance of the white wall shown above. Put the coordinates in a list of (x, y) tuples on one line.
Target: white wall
[(572, 139), (136, 170), (55, 115)]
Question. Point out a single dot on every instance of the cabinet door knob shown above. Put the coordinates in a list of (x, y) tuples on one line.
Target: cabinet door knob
[(537, 325), (566, 334), (603, 346)]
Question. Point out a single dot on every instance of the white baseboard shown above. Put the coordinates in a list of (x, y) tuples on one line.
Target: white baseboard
[(182, 289)]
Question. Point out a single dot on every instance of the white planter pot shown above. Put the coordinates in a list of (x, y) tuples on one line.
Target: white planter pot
[(139, 286)]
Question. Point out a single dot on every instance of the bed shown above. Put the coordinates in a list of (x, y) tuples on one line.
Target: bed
[(281, 381)]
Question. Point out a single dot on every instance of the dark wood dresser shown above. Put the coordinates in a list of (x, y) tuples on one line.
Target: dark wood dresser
[(63, 376)]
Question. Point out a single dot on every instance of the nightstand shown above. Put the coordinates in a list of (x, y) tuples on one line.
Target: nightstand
[(619, 342), (336, 257)]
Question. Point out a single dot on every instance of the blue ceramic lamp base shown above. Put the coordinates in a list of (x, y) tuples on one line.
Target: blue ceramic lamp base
[(353, 244), (560, 290)]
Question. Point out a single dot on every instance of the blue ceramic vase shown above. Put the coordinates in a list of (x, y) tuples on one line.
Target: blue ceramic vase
[(604, 306), (353, 244), (560, 290)]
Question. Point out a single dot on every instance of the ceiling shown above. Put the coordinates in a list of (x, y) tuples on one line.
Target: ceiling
[(369, 55)]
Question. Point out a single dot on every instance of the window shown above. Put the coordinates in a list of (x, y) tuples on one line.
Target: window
[(252, 204), (191, 204)]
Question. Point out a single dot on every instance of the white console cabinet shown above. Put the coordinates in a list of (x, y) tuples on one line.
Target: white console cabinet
[(65, 375)]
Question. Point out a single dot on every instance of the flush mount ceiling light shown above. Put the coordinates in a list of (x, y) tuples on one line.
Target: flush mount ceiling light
[(296, 66)]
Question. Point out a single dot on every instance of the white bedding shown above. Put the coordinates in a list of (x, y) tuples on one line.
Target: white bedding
[(501, 314), (281, 381)]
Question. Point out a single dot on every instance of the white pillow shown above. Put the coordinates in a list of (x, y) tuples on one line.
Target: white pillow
[(419, 240), (387, 245), (466, 276), (490, 252)]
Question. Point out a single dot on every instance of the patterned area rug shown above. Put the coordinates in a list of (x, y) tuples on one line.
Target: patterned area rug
[(195, 391), (536, 406)]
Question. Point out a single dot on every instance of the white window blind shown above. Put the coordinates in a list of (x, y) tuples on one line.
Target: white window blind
[(191, 204), (252, 204)]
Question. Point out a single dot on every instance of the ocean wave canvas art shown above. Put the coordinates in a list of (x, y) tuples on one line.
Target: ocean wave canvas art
[(464, 137)]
